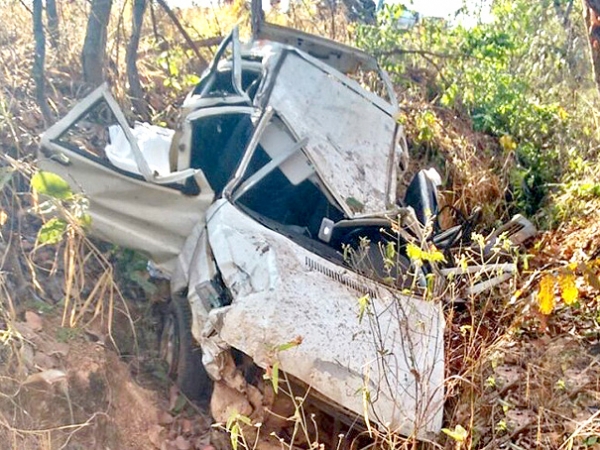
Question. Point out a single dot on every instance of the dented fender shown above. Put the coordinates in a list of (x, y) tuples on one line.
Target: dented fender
[(282, 292)]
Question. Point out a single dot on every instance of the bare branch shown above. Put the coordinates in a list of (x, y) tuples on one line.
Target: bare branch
[(184, 33), (404, 51)]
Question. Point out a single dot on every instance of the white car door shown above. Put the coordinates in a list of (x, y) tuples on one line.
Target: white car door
[(135, 199)]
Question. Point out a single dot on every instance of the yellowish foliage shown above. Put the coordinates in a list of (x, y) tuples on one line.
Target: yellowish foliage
[(545, 297), (459, 434), (568, 289), (508, 143), (416, 253), (562, 113)]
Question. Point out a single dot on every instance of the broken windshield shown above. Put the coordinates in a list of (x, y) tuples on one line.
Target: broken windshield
[(280, 184)]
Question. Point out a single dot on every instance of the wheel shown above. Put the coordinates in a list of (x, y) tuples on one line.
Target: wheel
[(182, 354)]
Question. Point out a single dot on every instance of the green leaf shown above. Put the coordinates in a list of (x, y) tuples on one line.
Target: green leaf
[(234, 432), (6, 174), (363, 304), (289, 345), (52, 231), (390, 251), (52, 185), (244, 419), (179, 404), (275, 377), (85, 220), (459, 434)]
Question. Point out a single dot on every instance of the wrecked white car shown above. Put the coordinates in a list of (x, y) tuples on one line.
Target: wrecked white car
[(282, 167)]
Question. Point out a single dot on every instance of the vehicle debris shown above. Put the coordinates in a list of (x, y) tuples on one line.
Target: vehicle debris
[(270, 208)]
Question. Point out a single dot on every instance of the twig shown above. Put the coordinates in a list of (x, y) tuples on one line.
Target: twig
[(184, 33), (164, 45), (406, 51)]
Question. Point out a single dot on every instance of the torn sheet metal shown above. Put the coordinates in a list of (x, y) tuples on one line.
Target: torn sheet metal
[(342, 57), (282, 291), (350, 139)]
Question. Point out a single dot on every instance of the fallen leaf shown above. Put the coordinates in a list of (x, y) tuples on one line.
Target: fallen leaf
[(154, 435), (576, 379), (49, 376), (545, 296), (43, 361), (568, 288), (508, 374), (26, 354), (182, 443), (164, 418), (34, 321), (520, 418), (25, 330), (186, 426), (54, 348)]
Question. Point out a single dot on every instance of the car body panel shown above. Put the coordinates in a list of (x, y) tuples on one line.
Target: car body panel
[(281, 291), (126, 209), (351, 141)]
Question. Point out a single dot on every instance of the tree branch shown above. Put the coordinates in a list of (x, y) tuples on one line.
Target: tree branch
[(404, 51), (184, 33)]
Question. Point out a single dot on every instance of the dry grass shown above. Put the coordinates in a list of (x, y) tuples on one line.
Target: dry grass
[(473, 169)]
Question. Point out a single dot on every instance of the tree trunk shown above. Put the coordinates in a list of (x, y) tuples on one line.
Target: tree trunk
[(94, 45), (135, 88), (38, 60), (591, 13), (52, 16)]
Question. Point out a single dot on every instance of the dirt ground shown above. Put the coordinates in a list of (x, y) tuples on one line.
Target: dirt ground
[(66, 388)]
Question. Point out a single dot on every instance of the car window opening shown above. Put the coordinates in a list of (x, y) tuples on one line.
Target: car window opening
[(218, 144), (281, 185), (222, 84)]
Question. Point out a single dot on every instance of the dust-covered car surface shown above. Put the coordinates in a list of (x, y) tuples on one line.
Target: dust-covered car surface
[(269, 209)]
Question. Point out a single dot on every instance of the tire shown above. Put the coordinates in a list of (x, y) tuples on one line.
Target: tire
[(182, 354)]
